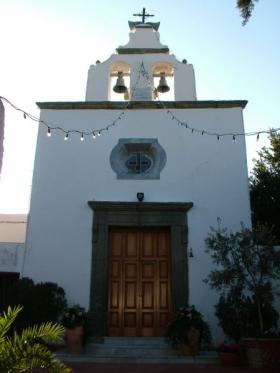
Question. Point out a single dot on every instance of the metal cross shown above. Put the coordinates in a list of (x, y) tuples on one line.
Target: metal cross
[(143, 15)]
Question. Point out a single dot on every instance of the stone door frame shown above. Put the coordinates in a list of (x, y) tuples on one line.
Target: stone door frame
[(136, 214)]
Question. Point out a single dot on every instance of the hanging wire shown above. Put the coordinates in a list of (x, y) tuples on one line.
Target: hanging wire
[(93, 132), (196, 130), (97, 132)]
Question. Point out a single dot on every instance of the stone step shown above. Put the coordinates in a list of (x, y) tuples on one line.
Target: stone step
[(133, 349), (128, 341), (202, 358), (132, 345), (130, 352)]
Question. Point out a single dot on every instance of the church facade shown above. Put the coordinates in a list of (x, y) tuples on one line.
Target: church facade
[(127, 184)]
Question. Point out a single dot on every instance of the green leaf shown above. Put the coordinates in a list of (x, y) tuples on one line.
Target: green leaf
[(27, 351)]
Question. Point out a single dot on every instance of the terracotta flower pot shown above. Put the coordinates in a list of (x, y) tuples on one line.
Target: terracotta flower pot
[(191, 346), (263, 352), (74, 339), (229, 359)]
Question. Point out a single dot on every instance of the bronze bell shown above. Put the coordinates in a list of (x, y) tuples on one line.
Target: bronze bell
[(120, 86), (162, 87)]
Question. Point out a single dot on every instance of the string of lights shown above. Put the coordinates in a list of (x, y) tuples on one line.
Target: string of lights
[(94, 133), (83, 133), (197, 130)]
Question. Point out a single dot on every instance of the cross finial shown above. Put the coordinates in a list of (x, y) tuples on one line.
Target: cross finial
[(143, 15)]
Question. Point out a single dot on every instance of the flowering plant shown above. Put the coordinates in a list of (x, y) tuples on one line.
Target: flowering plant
[(74, 316), (184, 320), (229, 347), (272, 333)]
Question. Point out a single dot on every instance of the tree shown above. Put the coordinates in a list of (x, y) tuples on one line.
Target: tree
[(265, 186), (42, 302), (246, 8), (28, 351), (247, 273)]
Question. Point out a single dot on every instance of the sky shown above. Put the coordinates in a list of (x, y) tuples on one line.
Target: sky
[(47, 47)]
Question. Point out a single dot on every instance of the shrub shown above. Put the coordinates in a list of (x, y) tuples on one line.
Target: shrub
[(41, 302), (238, 317), (247, 274)]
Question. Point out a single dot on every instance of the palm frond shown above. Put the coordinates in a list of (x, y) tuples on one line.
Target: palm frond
[(28, 351), (38, 356), (47, 332), (7, 319)]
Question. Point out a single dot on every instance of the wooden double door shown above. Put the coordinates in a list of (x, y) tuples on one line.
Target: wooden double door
[(139, 282)]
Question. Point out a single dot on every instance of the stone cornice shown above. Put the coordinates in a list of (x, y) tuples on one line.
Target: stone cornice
[(121, 105), (141, 50), (140, 206)]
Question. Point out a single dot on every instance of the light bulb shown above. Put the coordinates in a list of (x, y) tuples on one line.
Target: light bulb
[(82, 137), (49, 132), (66, 136), (99, 133), (93, 135)]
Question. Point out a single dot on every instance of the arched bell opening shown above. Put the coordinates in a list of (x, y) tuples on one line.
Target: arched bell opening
[(163, 81), (119, 82)]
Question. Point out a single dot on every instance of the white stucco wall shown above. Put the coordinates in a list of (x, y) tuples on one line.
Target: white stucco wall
[(143, 38), (200, 169), (98, 83), (12, 242)]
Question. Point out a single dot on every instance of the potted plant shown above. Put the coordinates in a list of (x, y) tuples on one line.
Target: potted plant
[(229, 353), (187, 330), (247, 273), (74, 320)]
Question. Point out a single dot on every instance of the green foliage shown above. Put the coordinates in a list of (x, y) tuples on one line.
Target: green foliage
[(183, 320), (27, 351), (41, 302), (265, 186), (238, 316), (246, 8), (246, 270), (74, 316)]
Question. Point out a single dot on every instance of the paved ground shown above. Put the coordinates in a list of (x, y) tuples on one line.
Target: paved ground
[(154, 368)]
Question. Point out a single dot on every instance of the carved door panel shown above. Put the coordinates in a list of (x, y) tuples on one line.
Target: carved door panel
[(139, 282)]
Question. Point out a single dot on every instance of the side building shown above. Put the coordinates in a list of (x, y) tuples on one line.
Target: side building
[(12, 250)]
